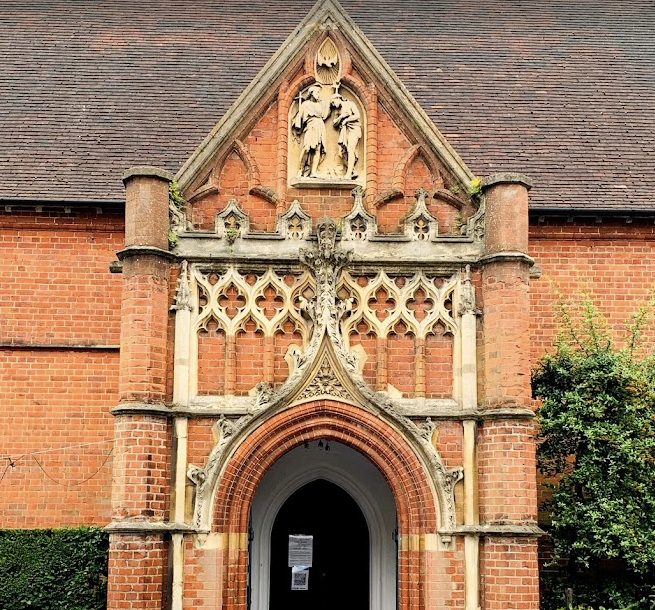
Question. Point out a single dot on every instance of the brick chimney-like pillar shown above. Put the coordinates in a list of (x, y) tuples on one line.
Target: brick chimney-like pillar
[(506, 450), (142, 448)]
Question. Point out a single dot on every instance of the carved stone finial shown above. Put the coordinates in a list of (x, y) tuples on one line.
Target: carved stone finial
[(183, 292), (420, 225), (359, 224), (358, 193), (421, 195), (467, 294)]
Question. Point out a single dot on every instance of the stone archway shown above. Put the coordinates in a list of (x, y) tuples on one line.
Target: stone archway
[(353, 473), (354, 427)]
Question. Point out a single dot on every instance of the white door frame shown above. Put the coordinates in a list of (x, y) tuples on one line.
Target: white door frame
[(355, 474)]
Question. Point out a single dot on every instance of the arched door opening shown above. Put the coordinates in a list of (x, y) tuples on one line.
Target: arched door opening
[(342, 497), (339, 550)]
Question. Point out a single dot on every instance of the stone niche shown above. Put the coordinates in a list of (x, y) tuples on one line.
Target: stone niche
[(327, 138)]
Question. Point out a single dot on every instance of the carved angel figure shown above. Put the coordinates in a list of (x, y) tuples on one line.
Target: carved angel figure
[(309, 125)]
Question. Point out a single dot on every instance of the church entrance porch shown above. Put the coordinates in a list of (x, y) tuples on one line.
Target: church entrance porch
[(330, 491)]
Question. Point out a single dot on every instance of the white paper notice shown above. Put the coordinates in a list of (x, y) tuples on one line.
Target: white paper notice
[(299, 578), (300, 550)]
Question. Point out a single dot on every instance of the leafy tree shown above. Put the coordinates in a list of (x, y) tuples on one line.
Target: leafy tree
[(597, 445)]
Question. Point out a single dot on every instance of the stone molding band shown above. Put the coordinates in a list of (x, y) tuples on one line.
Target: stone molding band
[(507, 178), (150, 527), (141, 408), (146, 171), (163, 527), (480, 415), (531, 531)]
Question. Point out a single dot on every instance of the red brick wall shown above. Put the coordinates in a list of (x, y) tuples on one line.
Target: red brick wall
[(56, 285), (57, 290), (511, 574), (137, 572), (612, 260)]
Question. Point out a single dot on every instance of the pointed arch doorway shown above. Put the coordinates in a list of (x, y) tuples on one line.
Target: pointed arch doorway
[(336, 494)]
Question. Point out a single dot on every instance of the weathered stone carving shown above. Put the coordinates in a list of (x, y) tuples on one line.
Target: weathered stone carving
[(177, 216), (328, 63), (323, 153), (232, 222), (420, 225), (427, 429), (183, 291), (324, 383), (309, 127), (359, 224), (295, 223), (467, 294), (349, 124)]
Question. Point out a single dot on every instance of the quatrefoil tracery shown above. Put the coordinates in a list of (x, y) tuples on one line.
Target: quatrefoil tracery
[(420, 304)]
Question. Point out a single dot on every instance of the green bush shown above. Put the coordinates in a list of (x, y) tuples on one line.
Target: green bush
[(62, 569), (597, 443)]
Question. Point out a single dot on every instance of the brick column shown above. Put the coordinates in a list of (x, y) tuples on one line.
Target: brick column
[(138, 550), (506, 450)]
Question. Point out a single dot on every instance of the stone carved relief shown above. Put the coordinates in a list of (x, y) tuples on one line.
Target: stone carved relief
[(326, 311), (324, 383), (326, 143), (328, 63), (326, 124)]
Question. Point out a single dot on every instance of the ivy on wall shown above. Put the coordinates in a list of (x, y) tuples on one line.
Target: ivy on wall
[(597, 446), (61, 569)]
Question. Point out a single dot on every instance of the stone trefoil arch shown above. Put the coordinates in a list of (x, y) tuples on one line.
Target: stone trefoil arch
[(326, 368)]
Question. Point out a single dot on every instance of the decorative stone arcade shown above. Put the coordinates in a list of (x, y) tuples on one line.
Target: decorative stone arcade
[(330, 280)]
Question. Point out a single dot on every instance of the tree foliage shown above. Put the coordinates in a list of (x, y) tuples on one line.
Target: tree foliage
[(597, 445)]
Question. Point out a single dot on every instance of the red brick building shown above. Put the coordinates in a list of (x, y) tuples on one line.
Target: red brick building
[(328, 329)]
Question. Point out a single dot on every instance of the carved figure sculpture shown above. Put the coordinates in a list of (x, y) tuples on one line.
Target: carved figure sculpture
[(349, 124), (309, 124)]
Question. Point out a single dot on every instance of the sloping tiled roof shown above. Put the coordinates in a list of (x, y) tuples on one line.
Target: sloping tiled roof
[(561, 90)]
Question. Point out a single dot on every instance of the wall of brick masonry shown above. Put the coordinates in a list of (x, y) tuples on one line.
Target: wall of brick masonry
[(611, 260), (56, 292)]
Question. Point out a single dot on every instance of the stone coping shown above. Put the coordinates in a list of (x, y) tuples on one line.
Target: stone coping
[(507, 178), (146, 171)]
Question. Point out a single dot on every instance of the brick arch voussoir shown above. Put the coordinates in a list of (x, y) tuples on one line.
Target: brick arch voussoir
[(385, 447)]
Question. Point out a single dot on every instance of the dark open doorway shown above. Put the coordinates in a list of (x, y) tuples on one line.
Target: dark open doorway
[(339, 576)]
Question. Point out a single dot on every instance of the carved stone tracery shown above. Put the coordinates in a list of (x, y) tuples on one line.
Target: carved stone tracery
[(314, 373)]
